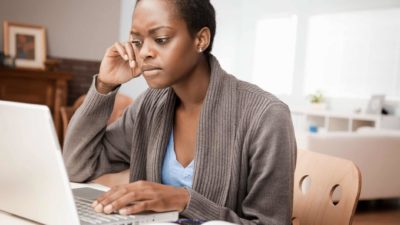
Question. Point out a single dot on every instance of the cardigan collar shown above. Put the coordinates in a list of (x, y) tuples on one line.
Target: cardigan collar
[(215, 137)]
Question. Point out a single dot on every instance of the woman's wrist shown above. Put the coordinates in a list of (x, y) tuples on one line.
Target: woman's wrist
[(104, 88), (185, 197)]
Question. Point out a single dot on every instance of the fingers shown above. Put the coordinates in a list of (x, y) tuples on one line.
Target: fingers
[(103, 201), (135, 68), (131, 55), (106, 194), (138, 207), (121, 196), (130, 198), (108, 197), (138, 197), (121, 50), (128, 52)]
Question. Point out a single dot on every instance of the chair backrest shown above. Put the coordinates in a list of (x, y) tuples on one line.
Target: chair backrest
[(68, 111), (121, 103), (318, 180)]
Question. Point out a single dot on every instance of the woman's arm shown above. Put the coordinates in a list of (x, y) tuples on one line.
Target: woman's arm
[(91, 148), (272, 154)]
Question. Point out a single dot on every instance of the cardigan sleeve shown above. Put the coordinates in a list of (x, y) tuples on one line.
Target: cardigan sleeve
[(272, 156), (90, 147)]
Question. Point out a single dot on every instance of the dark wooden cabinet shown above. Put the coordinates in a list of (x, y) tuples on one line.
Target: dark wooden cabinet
[(38, 87)]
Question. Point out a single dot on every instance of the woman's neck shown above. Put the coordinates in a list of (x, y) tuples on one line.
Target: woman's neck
[(192, 91)]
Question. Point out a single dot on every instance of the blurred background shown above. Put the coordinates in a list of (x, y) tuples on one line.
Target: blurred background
[(347, 49)]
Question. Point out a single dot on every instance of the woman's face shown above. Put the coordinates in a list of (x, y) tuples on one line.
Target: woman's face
[(164, 49)]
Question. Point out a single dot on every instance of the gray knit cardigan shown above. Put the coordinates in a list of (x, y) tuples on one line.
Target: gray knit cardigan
[(245, 148)]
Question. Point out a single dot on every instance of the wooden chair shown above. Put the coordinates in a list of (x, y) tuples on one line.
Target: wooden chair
[(318, 177), (68, 111)]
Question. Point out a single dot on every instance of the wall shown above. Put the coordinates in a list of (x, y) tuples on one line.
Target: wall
[(75, 29), (236, 32), (83, 30), (238, 19)]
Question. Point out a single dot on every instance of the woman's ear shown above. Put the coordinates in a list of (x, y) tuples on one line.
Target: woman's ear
[(203, 38)]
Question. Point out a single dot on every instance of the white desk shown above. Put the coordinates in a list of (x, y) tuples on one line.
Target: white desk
[(9, 219)]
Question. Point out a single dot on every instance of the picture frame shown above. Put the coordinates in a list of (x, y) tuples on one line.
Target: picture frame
[(26, 44), (375, 104)]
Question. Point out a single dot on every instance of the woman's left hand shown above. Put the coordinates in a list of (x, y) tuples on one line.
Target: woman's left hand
[(142, 196)]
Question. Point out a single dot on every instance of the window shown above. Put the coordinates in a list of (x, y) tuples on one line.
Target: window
[(274, 54), (354, 54)]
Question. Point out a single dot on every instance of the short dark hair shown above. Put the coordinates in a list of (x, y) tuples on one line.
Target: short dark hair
[(197, 14)]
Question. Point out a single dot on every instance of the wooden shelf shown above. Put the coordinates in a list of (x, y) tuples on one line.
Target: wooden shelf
[(38, 87), (340, 121)]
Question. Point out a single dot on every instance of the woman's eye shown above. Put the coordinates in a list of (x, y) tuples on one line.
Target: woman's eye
[(137, 43), (162, 40)]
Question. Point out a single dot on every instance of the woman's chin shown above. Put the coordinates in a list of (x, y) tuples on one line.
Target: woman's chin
[(154, 84)]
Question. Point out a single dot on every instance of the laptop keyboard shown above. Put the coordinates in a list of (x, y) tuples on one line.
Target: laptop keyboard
[(88, 215)]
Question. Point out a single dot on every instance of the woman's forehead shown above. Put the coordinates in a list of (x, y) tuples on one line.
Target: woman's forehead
[(153, 13)]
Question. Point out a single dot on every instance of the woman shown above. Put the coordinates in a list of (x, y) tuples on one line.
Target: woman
[(198, 141)]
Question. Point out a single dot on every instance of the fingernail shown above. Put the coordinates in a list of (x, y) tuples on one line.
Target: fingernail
[(132, 63), (126, 57), (123, 212), (108, 209), (94, 204), (99, 208)]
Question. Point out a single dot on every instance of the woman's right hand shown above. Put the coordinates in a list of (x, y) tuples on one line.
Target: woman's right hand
[(118, 66)]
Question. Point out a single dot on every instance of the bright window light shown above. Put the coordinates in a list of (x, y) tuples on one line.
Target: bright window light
[(274, 54), (354, 54)]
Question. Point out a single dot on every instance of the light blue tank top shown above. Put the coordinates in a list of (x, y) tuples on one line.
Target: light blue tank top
[(173, 173)]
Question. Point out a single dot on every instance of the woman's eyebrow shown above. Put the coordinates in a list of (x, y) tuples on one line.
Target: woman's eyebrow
[(153, 30), (134, 33)]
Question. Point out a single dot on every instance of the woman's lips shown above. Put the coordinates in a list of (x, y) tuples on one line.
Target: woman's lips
[(150, 71)]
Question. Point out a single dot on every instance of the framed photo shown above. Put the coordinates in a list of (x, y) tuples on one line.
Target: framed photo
[(375, 104), (26, 43)]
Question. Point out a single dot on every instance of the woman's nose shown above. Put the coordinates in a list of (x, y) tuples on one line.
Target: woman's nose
[(146, 51)]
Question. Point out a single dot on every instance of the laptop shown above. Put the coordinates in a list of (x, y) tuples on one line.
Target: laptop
[(33, 179)]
